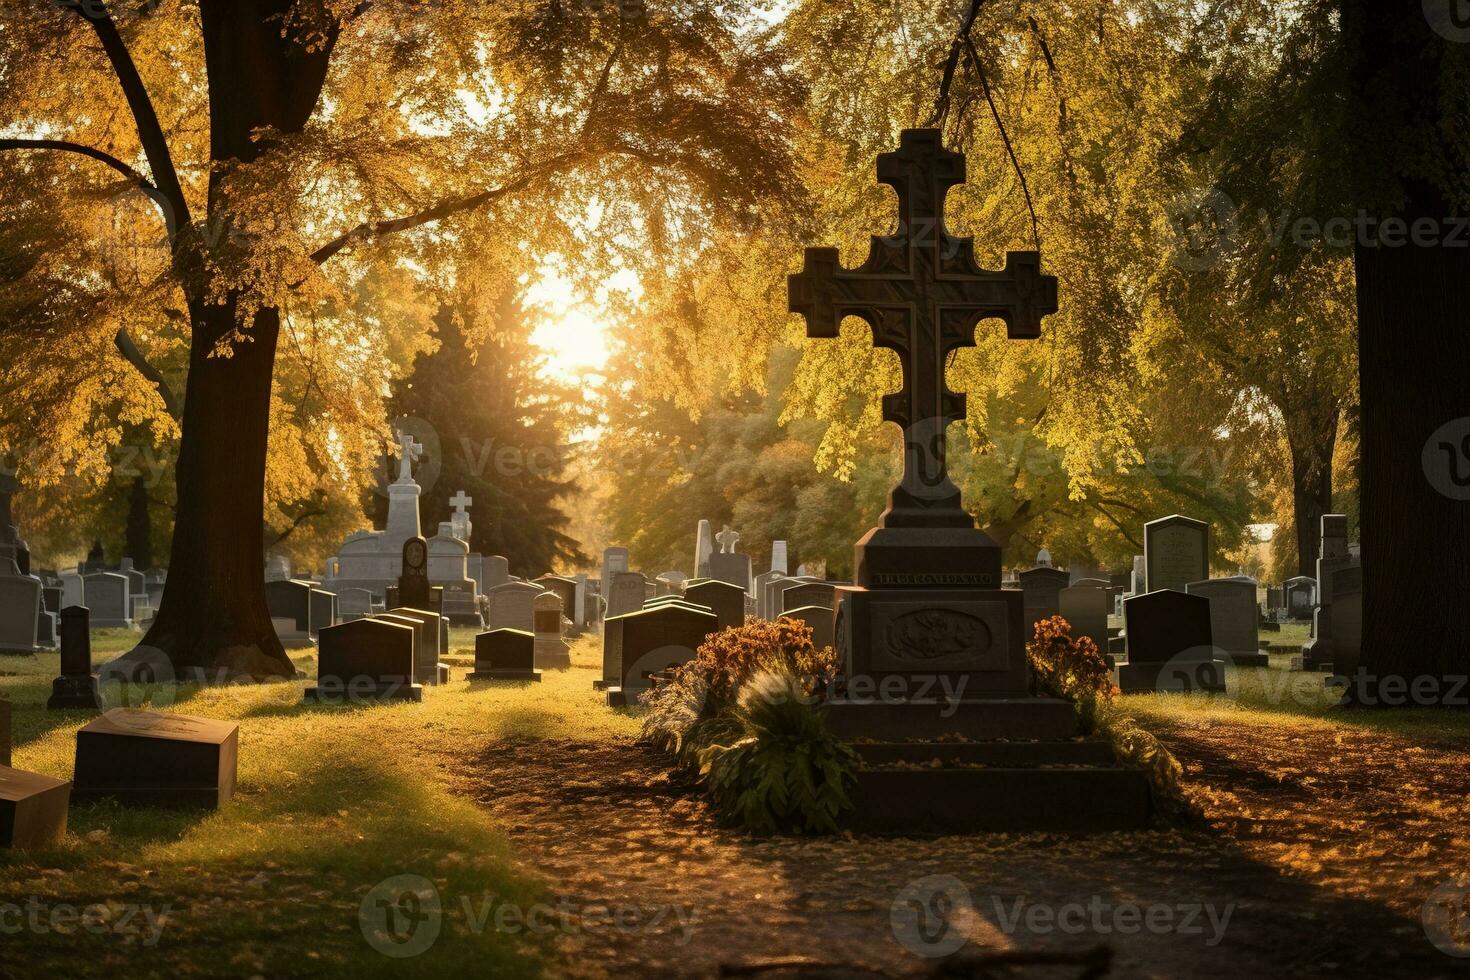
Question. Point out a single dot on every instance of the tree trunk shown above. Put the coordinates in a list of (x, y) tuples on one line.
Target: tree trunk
[(266, 62), (1414, 352), (213, 618), (1312, 437)]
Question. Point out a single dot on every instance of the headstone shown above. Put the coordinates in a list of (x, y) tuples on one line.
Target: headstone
[(1347, 619), (551, 649), (49, 627), (1234, 619), (277, 568), (77, 685), (289, 603), (1170, 644), (731, 567), (566, 590), (355, 604), (778, 557), (12, 546), (800, 594), (763, 601), (20, 612), (1333, 560), (671, 582), (1137, 580), (33, 809), (459, 521), (427, 648), (1176, 552), (512, 606), (725, 600), (145, 758), (413, 582), (1085, 608), (652, 640), (627, 594), (72, 591), (703, 548), (497, 571), (614, 560), (505, 655), (1040, 588), (1043, 559), (367, 659), (324, 610), (1301, 595), (107, 600), (821, 621)]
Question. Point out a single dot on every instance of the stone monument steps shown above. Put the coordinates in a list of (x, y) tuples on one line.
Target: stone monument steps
[(977, 720), (1063, 799), (1006, 754)]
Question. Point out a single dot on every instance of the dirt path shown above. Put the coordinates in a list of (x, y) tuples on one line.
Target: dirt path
[(1300, 873)]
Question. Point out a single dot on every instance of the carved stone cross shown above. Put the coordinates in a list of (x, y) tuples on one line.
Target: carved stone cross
[(409, 452), (923, 294), (461, 502), (727, 539)]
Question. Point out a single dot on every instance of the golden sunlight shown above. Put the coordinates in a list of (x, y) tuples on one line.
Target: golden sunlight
[(571, 333)]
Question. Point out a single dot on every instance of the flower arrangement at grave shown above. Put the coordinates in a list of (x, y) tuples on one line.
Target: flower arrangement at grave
[(741, 717), (1075, 669)]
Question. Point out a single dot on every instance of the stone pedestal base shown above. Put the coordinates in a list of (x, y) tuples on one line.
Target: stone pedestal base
[(490, 674), (927, 558), (363, 689), (74, 691), (552, 653), (1172, 676), (924, 644)]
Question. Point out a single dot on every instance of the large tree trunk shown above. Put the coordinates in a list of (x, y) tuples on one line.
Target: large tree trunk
[(1312, 437), (213, 617), (1414, 354)]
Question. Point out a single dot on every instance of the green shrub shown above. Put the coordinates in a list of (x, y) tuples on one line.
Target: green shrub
[(785, 772), (1076, 670)]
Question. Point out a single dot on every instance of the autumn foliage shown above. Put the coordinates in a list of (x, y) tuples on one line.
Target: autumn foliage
[(1065, 667)]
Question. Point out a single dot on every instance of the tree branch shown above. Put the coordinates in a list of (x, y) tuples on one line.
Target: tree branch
[(144, 184), (134, 356), (150, 132), (369, 230)]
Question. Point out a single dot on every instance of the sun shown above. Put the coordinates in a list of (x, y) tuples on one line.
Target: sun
[(571, 333)]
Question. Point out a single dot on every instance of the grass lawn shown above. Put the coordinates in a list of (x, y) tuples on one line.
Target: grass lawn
[(1323, 823), (331, 801)]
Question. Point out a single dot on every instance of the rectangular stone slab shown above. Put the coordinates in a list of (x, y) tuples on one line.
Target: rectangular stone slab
[(146, 758), (32, 808)]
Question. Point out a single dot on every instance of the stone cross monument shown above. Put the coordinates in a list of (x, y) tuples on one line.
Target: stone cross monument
[(927, 596), (923, 294)]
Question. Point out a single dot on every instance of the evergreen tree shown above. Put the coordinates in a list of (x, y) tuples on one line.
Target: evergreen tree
[(502, 429)]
